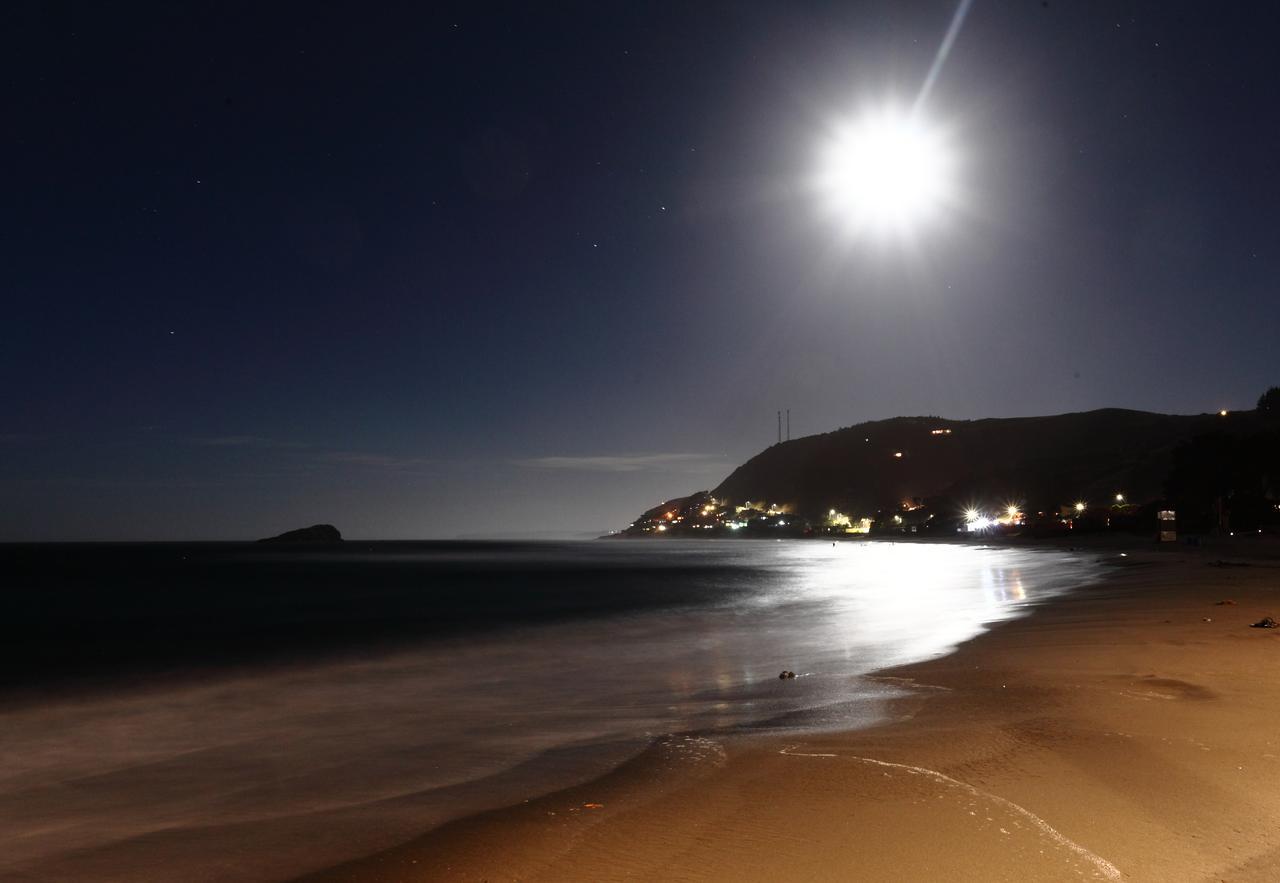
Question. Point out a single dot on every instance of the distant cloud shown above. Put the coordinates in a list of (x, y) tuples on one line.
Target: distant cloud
[(379, 461), (313, 456), (317, 456), (626, 463), (244, 441)]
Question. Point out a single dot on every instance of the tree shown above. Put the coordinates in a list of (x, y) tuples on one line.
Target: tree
[(1220, 474), (1269, 402)]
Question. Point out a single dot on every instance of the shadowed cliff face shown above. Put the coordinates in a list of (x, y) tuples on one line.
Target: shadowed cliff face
[(1041, 461)]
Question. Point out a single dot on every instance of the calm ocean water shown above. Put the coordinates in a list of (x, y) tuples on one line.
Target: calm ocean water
[(225, 711)]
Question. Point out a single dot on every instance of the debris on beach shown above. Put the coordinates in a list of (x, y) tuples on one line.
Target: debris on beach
[(1265, 623), (786, 675), (593, 806), (1225, 602), (1207, 619)]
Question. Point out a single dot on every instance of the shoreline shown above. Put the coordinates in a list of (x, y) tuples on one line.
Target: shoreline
[(1121, 731)]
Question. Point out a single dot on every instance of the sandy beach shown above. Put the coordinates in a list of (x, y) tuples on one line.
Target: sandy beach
[(1126, 731)]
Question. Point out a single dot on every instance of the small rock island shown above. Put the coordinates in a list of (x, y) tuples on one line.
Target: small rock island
[(315, 535)]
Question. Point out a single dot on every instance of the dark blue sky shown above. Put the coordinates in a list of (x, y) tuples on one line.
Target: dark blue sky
[(421, 271)]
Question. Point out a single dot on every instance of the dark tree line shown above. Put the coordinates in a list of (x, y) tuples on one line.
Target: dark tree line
[(1269, 402), (1230, 481)]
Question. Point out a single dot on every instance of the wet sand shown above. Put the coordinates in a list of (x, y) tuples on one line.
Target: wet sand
[(1129, 731)]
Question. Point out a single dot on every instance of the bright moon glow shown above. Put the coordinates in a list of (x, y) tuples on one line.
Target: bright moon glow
[(887, 173)]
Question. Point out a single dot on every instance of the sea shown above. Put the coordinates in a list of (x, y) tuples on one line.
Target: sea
[(225, 711)]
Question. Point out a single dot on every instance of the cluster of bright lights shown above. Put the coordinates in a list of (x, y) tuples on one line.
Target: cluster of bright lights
[(1012, 515), (976, 521), (887, 172)]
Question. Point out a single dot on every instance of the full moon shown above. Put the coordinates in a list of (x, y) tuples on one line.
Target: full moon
[(886, 173)]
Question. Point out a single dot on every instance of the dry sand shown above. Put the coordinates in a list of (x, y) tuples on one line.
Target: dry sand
[(1128, 731)]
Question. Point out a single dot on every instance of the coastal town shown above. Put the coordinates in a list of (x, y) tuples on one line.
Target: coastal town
[(1037, 477), (702, 515)]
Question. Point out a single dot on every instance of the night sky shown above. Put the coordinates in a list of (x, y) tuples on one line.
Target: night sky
[(502, 270)]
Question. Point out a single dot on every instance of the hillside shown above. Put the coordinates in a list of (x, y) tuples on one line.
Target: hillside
[(1035, 462)]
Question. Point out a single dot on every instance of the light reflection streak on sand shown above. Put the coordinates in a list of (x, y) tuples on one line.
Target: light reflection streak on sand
[(1104, 866)]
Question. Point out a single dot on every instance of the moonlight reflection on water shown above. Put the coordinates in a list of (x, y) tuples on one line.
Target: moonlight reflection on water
[(382, 746)]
